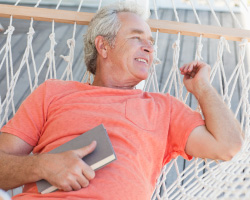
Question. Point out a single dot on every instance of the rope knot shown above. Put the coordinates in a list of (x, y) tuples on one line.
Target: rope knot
[(52, 36), (66, 58), (198, 51), (243, 43), (31, 31), (200, 46), (10, 30), (225, 43), (156, 60), (176, 44), (176, 47), (30, 35), (52, 39), (71, 43)]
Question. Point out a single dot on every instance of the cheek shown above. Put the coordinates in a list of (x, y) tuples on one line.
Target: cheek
[(151, 58)]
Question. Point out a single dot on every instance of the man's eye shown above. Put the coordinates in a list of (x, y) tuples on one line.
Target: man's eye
[(136, 37)]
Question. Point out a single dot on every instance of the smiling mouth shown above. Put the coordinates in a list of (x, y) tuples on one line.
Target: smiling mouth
[(142, 60)]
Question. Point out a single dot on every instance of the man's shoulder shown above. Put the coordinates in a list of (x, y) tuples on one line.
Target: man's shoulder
[(57, 85), (62, 83), (157, 96), (54, 87), (165, 99)]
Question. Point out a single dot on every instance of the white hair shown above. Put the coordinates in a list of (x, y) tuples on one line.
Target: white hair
[(107, 24)]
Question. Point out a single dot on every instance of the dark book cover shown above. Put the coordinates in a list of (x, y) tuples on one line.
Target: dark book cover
[(101, 156)]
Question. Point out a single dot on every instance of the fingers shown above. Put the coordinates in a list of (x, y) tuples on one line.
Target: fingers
[(78, 183), (189, 67), (67, 171), (86, 173), (196, 76), (78, 178), (86, 150), (73, 183), (83, 182), (192, 68)]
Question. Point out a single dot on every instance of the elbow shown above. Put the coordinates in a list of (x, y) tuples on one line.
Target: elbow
[(231, 150)]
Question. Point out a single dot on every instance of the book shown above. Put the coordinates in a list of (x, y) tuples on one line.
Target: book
[(101, 156)]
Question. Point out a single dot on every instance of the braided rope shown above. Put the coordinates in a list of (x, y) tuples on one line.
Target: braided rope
[(152, 78), (70, 58)]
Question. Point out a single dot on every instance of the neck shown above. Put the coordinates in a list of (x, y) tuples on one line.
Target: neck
[(113, 84), (108, 76)]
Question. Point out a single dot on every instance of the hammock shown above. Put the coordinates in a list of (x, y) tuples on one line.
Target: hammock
[(21, 73)]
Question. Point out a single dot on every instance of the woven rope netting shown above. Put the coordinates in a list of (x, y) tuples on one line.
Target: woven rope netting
[(24, 64)]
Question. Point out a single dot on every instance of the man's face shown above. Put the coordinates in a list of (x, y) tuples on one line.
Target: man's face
[(132, 54)]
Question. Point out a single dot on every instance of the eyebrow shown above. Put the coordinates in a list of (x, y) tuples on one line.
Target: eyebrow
[(138, 31)]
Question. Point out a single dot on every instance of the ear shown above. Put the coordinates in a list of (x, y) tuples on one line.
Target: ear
[(101, 46)]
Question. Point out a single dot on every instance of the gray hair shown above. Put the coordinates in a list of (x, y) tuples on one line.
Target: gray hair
[(107, 24)]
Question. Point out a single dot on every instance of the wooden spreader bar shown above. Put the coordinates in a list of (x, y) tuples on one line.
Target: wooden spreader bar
[(83, 18)]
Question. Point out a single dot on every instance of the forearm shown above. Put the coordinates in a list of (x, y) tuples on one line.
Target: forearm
[(219, 119), (66, 170), (220, 122), (17, 170)]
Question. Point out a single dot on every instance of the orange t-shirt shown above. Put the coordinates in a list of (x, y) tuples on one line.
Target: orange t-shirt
[(146, 130)]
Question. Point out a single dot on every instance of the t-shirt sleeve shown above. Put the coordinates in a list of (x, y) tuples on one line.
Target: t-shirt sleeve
[(182, 121), (28, 121)]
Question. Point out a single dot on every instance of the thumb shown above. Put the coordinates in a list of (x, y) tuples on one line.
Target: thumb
[(86, 150)]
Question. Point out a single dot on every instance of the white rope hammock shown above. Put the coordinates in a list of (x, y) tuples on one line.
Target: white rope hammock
[(200, 179)]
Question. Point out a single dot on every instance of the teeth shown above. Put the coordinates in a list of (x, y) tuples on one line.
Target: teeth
[(141, 60)]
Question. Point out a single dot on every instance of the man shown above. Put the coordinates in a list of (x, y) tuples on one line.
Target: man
[(147, 130)]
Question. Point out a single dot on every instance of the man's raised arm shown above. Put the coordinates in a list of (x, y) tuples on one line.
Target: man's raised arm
[(221, 137)]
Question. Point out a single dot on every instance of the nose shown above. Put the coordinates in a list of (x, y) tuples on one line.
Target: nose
[(148, 47)]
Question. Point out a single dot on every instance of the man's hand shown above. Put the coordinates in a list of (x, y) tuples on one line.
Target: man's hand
[(67, 171), (196, 77)]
